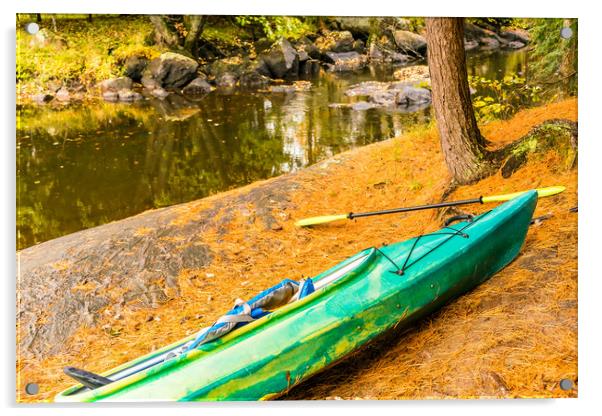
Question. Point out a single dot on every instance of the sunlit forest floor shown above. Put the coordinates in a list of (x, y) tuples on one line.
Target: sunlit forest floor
[(514, 336)]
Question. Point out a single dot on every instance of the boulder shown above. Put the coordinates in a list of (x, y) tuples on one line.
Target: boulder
[(134, 67), (359, 46), (305, 45), (346, 61), (516, 35), (161, 93), (197, 86), (110, 95), (470, 45), (42, 98), (173, 70), (489, 43), (515, 44), (335, 41), (309, 68), (374, 52), (63, 95), (357, 26), (149, 82), (253, 79), (226, 80), (409, 95), (128, 95), (282, 59), (116, 84), (410, 43)]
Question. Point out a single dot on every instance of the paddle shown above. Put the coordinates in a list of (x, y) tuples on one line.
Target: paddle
[(541, 193)]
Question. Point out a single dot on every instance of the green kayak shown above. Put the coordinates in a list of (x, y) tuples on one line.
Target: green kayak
[(255, 353)]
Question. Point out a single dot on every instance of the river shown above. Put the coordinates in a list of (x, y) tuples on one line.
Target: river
[(82, 165)]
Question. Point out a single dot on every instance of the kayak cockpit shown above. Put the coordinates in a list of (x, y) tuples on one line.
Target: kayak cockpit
[(287, 292)]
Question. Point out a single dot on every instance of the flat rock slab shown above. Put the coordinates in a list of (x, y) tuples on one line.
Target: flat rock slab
[(67, 282)]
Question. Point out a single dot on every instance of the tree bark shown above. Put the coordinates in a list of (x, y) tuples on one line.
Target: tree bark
[(163, 34), (194, 25), (463, 146)]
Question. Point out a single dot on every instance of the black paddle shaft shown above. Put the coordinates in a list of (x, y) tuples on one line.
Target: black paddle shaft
[(416, 208)]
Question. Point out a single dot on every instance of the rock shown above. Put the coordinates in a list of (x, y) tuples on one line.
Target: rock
[(470, 45), (282, 59), (357, 26), (309, 68), (384, 98), (149, 82), (173, 70), (253, 79), (63, 95), (398, 58), (359, 46), (262, 45), (197, 86), (54, 85), (294, 87), (346, 61), (415, 73), (116, 84), (366, 88), (489, 43), (160, 93), (412, 95), (363, 105), (226, 80), (515, 45), (303, 56), (110, 95), (42, 98), (335, 41), (516, 35), (374, 52), (128, 95), (135, 66), (410, 43), (307, 46)]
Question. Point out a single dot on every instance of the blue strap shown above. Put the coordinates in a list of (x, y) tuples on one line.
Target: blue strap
[(307, 288)]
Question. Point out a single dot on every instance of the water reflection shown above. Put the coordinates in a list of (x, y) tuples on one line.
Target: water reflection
[(81, 166)]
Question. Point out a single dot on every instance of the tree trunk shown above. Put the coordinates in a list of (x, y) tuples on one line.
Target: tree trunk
[(163, 33), (194, 25), (463, 146)]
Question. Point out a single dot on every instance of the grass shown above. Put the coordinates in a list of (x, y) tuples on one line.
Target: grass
[(83, 51), (514, 336)]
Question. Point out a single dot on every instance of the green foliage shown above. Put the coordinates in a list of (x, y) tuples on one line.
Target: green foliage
[(493, 23), (81, 50), (274, 27), (502, 98), (551, 52)]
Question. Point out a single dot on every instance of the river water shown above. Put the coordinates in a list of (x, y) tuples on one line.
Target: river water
[(82, 165)]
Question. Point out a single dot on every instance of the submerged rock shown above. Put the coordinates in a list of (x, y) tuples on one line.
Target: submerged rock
[(415, 73), (253, 79), (515, 45), (116, 84), (226, 80), (173, 70), (346, 61), (197, 86), (409, 95)]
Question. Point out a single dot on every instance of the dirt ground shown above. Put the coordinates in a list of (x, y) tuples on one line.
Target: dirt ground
[(513, 336)]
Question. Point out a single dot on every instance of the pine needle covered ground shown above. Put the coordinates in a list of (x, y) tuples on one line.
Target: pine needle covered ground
[(513, 336)]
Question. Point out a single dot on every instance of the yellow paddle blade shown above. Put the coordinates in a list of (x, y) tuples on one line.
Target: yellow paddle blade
[(541, 193), (320, 220)]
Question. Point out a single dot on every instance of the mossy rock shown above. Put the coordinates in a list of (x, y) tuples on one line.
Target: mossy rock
[(557, 135)]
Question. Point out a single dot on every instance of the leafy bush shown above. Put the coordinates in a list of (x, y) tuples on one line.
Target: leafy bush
[(502, 98), (275, 27)]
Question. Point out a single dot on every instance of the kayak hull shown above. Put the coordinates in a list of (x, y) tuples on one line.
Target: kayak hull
[(269, 356)]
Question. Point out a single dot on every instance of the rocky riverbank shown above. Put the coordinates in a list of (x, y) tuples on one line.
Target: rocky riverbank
[(346, 44)]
